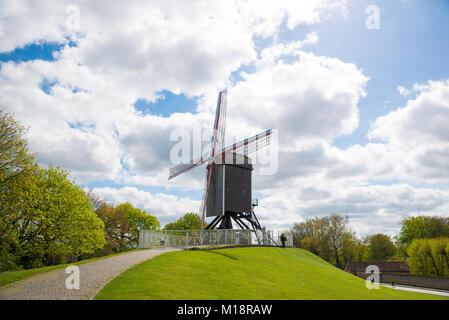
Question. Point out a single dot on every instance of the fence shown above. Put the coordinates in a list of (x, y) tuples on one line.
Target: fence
[(192, 238)]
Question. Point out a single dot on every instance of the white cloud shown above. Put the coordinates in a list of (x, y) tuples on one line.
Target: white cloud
[(419, 133), (147, 46), (312, 98), (271, 54), (403, 91)]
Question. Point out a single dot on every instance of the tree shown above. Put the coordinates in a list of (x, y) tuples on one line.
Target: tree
[(381, 247), (43, 215), (301, 231), (71, 226), (362, 251), (95, 200), (189, 221), (421, 227), (14, 154), (122, 225), (336, 228), (138, 219), (117, 228), (325, 237), (17, 184), (429, 257), (349, 248), (52, 218)]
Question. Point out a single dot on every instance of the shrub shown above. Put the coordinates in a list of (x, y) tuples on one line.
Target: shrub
[(429, 257)]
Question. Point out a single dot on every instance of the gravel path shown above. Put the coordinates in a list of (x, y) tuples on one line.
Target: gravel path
[(93, 276)]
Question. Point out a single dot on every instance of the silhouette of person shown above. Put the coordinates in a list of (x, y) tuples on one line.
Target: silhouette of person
[(283, 239)]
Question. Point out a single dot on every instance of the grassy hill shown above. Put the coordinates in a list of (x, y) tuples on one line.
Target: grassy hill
[(243, 273)]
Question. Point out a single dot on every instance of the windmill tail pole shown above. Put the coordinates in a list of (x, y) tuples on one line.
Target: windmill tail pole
[(201, 231), (209, 176)]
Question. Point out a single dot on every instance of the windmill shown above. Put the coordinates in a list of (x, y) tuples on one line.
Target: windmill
[(227, 188)]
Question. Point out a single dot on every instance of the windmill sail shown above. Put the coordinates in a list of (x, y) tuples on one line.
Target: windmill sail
[(217, 140), (247, 146), (221, 126), (184, 167)]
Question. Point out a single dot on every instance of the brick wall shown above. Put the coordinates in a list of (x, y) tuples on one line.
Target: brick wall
[(418, 281), (407, 279)]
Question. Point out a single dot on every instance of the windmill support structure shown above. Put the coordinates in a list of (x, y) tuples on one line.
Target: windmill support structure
[(245, 221), (242, 219)]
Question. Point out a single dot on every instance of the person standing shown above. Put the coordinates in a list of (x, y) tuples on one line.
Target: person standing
[(283, 239)]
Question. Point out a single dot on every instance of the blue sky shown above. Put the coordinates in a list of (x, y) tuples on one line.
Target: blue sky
[(42, 51), (117, 91), (167, 104)]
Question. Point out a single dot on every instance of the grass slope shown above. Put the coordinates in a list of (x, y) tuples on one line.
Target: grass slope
[(8, 277), (243, 273)]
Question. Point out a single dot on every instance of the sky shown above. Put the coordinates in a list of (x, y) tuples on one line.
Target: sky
[(357, 92)]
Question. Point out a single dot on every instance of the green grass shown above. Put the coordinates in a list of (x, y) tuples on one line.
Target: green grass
[(243, 273), (13, 276)]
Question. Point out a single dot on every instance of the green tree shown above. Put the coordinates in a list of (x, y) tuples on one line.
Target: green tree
[(43, 215), (429, 257), (69, 226), (14, 154), (349, 248), (325, 237), (138, 219), (401, 249), (117, 229), (53, 218), (439, 258), (18, 196), (189, 221), (301, 231), (17, 185), (423, 227), (122, 224), (381, 247), (418, 252)]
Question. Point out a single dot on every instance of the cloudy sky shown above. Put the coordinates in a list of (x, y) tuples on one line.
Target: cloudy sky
[(357, 90)]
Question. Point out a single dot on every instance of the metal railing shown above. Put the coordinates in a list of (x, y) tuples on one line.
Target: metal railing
[(217, 237)]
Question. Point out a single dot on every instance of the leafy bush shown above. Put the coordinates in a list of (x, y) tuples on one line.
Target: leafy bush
[(423, 227), (429, 257)]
